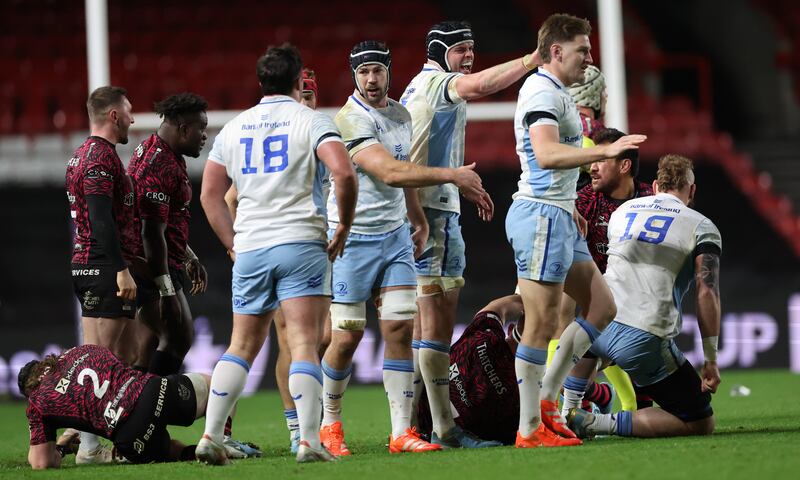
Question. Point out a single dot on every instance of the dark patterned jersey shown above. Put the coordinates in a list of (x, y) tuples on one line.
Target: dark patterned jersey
[(596, 208), (163, 193), (89, 389), (483, 383), (591, 126), (95, 169)]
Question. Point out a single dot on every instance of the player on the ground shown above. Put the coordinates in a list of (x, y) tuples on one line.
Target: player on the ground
[(101, 202), (657, 247), (163, 193), (613, 181), (437, 100), (378, 263), (280, 250), (88, 388), (483, 385), (551, 255), (308, 98)]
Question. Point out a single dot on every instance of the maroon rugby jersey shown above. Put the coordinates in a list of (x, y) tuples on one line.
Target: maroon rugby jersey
[(596, 208), (95, 169), (163, 193), (90, 390), (483, 383)]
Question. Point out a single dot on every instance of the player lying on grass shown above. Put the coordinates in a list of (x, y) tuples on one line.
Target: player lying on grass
[(89, 389)]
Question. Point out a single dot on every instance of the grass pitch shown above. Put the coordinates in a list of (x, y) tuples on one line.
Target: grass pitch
[(757, 438)]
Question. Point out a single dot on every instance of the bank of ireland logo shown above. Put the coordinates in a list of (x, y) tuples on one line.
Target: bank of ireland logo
[(340, 288)]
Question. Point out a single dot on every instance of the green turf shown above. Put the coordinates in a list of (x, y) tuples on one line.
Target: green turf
[(757, 438)]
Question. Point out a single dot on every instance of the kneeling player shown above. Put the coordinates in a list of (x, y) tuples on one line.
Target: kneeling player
[(656, 245), (89, 389)]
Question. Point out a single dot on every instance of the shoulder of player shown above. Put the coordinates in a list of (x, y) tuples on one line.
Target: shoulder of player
[(400, 110)]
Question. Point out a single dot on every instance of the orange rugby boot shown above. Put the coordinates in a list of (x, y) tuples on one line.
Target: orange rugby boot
[(332, 438), (411, 442)]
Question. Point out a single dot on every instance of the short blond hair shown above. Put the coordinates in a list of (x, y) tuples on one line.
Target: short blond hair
[(675, 172), (560, 27)]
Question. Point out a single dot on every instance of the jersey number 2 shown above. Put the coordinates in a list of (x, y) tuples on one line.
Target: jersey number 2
[(655, 228), (282, 154), (99, 389)]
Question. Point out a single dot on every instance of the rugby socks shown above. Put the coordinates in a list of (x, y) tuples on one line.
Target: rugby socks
[(529, 365), (612, 424), (552, 346), (227, 383), (574, 388), (89, 442), (291, 421), (623, 386), (165, 363), (416, 381), (305, 386), (574, 342), (334, 383), (434, 362), (397, 381), (598, 393)]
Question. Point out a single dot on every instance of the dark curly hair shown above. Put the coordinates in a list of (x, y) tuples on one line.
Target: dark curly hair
[(611, 135), (28, 378), (175, 107), (278, 69)]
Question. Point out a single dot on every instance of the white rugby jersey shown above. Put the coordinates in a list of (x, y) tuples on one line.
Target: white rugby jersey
[(543, 100), (440, 119), (269, 151), (652, 245), (380, 208)]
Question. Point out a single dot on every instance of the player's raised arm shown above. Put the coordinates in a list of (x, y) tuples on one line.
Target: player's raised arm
[(493, 79), (212, 197), (551, 154)]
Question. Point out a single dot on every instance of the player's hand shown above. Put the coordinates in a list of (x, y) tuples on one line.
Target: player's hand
[(580, 222), (419, 237), (711, 378), (126, 287), (69, 440), (628, 142), (336, 245), (536, 59), (170, 309), (198, 275), (486, 209)]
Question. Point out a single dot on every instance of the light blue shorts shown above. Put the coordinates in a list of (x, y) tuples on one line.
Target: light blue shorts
[(443, 255), (647, 358), (264, 277), (372, 262), (545, 240)]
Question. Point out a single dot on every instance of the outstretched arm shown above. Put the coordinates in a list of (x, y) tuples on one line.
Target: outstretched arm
[(494, 79), (508, 307), (552, 154)]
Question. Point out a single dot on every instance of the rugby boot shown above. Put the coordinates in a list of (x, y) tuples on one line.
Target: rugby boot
[(457, 437), (210, 452), (332, 438), (579, 421), (544, 437), (306, 454), (410, 441), (237, 449), (103, 454), (553, 420)]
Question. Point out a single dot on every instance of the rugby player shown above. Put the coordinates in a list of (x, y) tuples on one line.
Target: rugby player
[(278, 243), (658, 245), (308, 98), (550, 254), (88, 388), (378, 263), (163, 194), (437, 99), (101, 202)]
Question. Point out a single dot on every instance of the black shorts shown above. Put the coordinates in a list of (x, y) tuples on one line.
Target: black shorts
[(96, 288), (681, 394), (143, 437)]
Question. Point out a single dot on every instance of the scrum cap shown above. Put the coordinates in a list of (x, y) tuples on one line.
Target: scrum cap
[(445, 35)]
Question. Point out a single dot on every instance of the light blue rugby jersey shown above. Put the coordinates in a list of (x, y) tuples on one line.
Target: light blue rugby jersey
[(543, 100)]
